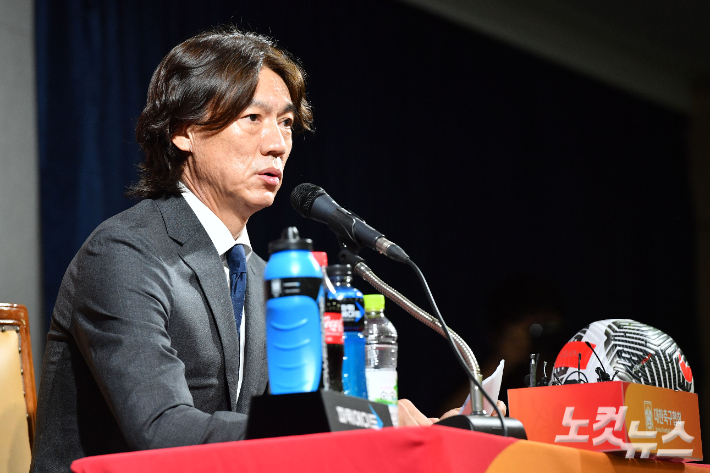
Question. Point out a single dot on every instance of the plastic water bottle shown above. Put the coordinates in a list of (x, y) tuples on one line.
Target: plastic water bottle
[(349, 302), (333, 332), (381, 355), (293, 283)]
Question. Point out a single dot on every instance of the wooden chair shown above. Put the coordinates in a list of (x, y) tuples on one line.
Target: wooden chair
[(18, 397)]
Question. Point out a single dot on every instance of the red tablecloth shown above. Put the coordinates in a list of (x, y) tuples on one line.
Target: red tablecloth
[(411, 450)]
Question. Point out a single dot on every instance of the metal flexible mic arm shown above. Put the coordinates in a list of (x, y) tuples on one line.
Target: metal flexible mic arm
[(361, 269), (368, 275)]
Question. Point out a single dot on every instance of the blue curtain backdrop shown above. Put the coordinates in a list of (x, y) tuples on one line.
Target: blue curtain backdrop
[(483, 162)]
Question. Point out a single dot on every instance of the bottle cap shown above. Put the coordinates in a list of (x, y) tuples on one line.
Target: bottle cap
[(374, 302), (290, 240), (321, 257), (340, 270)]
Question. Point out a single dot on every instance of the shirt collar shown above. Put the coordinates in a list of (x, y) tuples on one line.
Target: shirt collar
[(218, 232)]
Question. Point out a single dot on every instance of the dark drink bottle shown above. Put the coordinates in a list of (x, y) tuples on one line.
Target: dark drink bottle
[(333, 328), (332, 332)]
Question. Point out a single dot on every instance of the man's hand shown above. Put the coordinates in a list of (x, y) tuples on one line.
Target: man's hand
[(409, 416), (502, 407), (452, 412)]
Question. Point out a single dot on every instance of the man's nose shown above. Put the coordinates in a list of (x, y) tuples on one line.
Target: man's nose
[(273, 142)]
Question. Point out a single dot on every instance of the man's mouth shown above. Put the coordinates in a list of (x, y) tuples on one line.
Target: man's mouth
[(272, 176)]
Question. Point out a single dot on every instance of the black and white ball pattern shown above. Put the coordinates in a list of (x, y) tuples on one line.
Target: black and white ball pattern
[(629, 351)]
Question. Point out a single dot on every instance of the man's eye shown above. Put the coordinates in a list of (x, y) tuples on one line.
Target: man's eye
[(253, 117), (287, 122)]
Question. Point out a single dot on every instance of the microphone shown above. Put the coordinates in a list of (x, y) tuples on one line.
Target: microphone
[(314, 203)]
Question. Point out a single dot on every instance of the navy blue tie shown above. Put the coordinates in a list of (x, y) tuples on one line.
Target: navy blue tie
[(237, 261)]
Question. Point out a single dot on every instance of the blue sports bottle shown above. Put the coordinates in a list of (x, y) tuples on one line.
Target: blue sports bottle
[(294, 346)]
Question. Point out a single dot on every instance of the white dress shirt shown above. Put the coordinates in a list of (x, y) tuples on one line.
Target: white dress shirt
[(222, 240)]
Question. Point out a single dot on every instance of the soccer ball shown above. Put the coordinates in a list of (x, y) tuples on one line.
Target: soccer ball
[(626, 350)]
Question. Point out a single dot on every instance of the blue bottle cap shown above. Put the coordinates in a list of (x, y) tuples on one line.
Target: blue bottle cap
[(290, 240)]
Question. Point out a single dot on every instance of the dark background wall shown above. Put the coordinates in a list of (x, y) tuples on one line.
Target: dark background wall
[(483, 162)]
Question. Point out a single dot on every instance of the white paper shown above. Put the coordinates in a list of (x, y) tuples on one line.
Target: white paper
[(492, 386)]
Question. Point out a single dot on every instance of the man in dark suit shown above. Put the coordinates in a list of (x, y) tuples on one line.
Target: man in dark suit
[(156, 338), (158, 334)]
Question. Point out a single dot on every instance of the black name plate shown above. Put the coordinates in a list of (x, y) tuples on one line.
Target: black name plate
[(310, 413)]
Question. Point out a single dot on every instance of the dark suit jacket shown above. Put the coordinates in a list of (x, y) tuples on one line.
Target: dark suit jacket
[(142, 351)]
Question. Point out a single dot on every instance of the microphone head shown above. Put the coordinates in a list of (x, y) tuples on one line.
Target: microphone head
[(303, 196)]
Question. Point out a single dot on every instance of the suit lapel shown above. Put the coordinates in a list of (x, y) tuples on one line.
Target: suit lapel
[(199, 253), (255, 373)]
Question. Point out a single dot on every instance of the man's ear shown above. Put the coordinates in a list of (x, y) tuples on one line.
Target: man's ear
[(183, 139)]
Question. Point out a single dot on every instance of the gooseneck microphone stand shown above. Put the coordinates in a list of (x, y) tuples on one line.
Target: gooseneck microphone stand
[(478, 421), (363, 270)]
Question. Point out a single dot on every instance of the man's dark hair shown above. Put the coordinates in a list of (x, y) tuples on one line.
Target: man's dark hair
[(207, 80)]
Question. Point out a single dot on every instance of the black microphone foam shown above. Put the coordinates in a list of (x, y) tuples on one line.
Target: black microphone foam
[(303, 196), (312, 202)]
